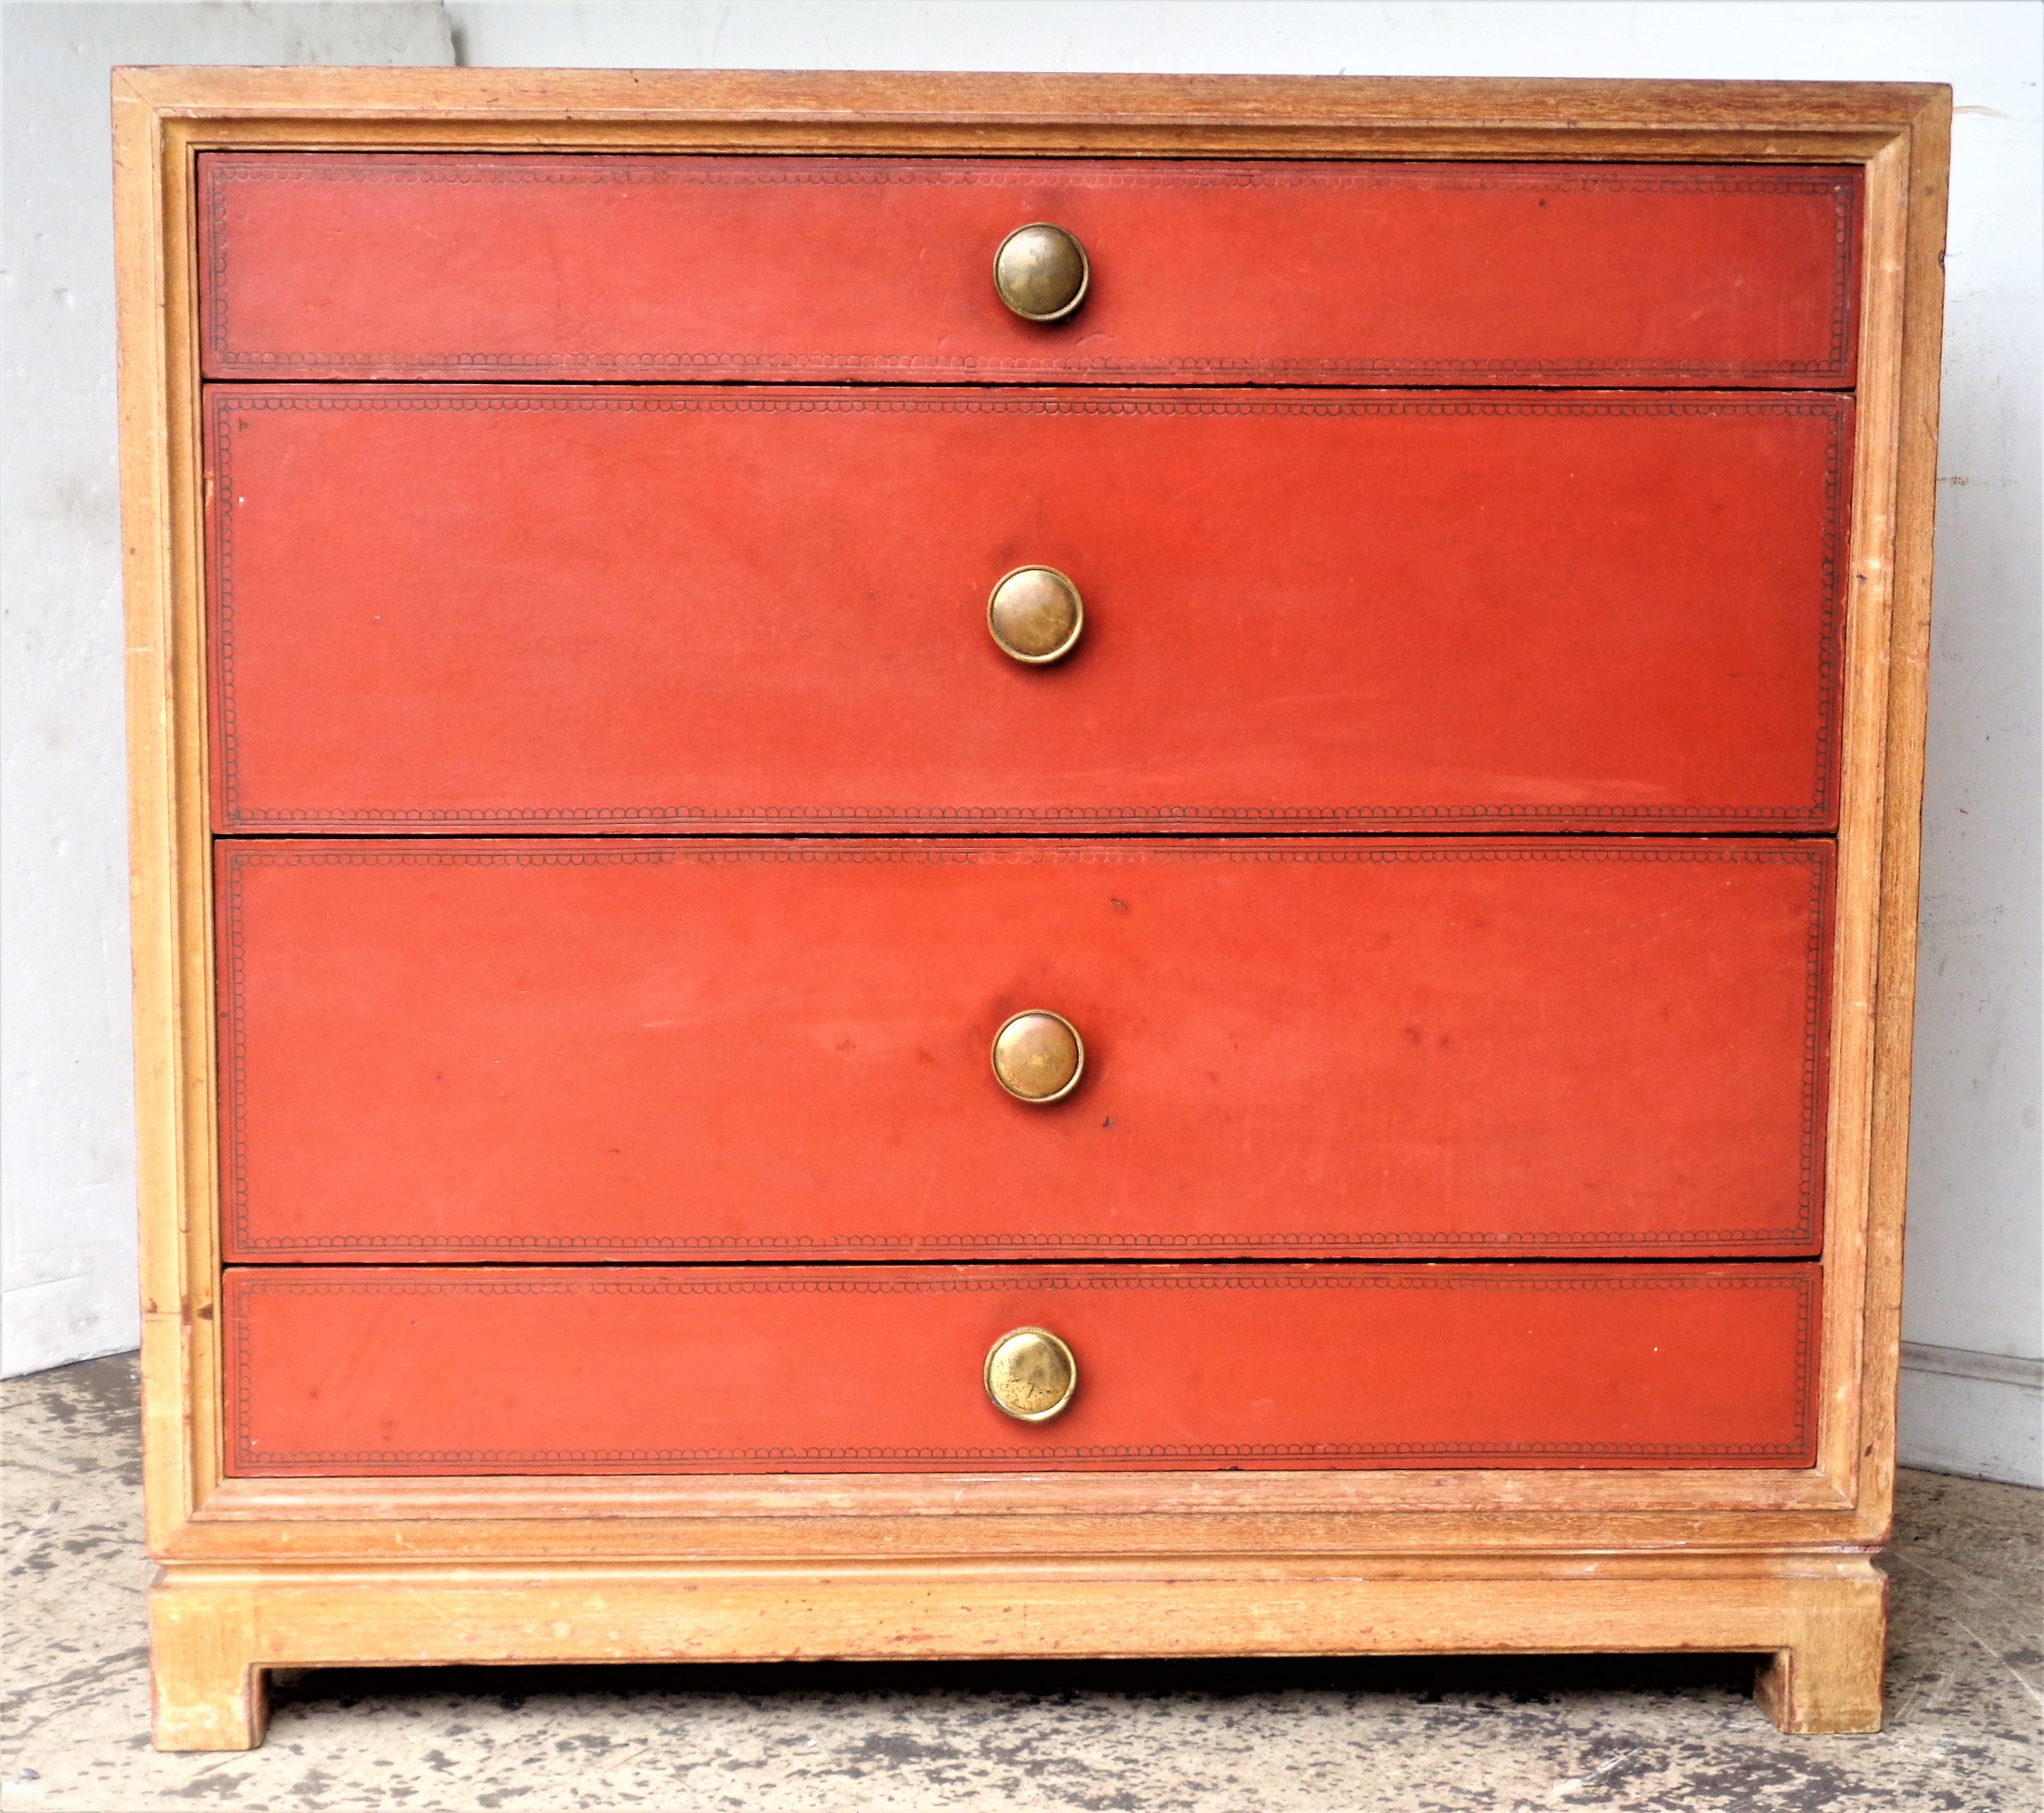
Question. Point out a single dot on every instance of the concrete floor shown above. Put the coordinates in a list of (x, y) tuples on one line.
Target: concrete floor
[(1965, 1715)]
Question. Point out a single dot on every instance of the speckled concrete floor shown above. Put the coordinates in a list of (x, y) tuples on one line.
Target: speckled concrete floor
[(1964, 1711)]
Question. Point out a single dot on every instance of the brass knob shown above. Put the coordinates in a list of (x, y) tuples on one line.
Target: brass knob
[(1036, 614), (1030, 1374), (1038, 1056), (1041, 272)]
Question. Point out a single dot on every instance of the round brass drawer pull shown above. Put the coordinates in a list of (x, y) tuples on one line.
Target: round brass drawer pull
[(1041, 272), (1030, 1374), (1038, 1056), (1036, 614)]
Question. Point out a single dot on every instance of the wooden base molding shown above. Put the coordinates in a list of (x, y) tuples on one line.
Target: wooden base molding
[(1818, 1620)]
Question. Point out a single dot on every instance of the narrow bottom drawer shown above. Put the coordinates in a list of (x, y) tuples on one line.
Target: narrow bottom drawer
[(418, 1369)]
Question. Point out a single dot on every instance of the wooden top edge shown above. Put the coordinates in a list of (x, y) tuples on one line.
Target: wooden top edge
[(1290, 101)]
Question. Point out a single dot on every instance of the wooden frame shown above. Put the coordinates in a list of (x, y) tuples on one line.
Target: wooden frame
[(257, 1574)]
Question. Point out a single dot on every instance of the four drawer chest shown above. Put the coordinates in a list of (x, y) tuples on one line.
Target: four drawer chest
[(978, 867)]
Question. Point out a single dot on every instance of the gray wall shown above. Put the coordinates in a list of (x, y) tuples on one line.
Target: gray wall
[(67, 1169), (1974, 1392)]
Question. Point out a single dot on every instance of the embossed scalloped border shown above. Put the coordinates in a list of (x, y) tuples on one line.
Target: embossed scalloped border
[(1835, 409), (1805, 1282), (235, 858), (220, 170)]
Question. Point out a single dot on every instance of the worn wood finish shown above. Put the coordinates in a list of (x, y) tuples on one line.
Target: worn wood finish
[(1828, 1678), (170, 850), (1033, 114), (1913, 370), (352, 1520), (1817, 1619), (791, 1516), (1880, 823), (231, 1596)]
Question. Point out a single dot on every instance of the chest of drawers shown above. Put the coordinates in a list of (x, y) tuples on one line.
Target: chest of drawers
[(939, 867)]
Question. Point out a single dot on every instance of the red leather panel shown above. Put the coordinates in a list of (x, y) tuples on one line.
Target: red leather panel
[(771, 1369), (440, 266), (656, 610), (700, 1048)]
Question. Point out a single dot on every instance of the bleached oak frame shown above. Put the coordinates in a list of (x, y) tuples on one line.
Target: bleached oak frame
[(259, 1574)]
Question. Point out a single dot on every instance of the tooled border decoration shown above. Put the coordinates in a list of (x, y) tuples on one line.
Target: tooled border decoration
[(221, 169), (239, 857), (1803, 1284), (1834, 410)]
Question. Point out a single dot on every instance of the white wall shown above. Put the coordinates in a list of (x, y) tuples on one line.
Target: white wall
[(1975, 1312), (67, 1179)]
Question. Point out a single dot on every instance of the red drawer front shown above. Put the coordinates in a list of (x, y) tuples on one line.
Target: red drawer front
[(438, 266), (638, 1370), (766, 610), (609, 1049)]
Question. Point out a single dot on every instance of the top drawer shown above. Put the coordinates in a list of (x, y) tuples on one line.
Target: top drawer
[(320, 265)]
